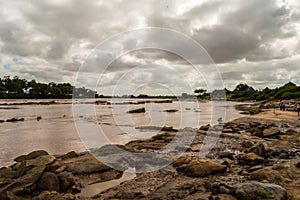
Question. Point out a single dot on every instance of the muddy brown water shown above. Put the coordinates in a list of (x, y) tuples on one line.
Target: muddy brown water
[(57, 133)]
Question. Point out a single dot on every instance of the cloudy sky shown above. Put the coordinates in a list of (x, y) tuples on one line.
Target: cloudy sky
[(254, 42)]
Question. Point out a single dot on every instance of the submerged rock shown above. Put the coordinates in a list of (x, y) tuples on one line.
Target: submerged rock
[(139, 110), (171, 110), (15, 120)]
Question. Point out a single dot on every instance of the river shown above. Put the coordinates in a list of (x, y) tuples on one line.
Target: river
[(59, 132)]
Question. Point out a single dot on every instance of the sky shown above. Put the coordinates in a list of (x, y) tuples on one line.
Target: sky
[(254, 42)]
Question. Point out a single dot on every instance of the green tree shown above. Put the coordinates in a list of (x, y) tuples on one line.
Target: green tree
[(201, 92)]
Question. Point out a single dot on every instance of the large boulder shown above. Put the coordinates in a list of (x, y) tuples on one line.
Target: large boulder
[(268, 174), (48, 182), (66, 181), (258, 149), (31, 155), (40, 161), (196, 167), (271, 132), (250, 159), (260, 191), (25, 181)]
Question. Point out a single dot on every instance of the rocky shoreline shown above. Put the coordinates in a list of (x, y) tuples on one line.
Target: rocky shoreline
[(253, 159)]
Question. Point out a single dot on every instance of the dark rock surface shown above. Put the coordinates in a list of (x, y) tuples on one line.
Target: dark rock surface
[(260, 191), (252, 159)]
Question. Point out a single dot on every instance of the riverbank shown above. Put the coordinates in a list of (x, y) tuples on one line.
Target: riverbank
[(255, 157)]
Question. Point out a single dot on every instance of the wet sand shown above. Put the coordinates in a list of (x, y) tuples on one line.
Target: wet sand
[(277, 115)]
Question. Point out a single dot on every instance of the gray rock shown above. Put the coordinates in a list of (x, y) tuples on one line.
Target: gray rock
[(255, 168), (66, 181), (25, 181), (86, 168), (52, 195), (21, 170), (225, 197), (268, 174), (224, 190), (139, 110), (195, 167), (31, 155), (40, 161), (250, 159), (130, 195), (6, 172), (11, 196), (71, 154), (227, 130), (48, 182), (291, 132), (226, 154), (247, 144), (4, 181), (205, 128), (54, 166), (271, 132), (260, 191), (258, 149)]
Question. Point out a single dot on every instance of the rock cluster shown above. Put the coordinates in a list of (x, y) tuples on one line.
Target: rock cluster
[(252, 159), (40, 176)]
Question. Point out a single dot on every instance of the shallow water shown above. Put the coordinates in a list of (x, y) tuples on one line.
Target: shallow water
[(91, 190), (62, 129)]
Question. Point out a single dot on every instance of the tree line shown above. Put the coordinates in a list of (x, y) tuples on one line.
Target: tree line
[(245, 92), (16, 88)]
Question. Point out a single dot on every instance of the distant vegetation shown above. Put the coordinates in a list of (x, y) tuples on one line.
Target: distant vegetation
[(16, 88), (21, 88), (244, 92)]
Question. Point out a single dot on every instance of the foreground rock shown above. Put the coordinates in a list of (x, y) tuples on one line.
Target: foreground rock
[(40, 176), (272, 176), (252, 159), (260, 191), (197, 167)]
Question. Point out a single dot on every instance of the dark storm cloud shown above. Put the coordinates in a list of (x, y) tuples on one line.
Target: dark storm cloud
[(244, 29), (251, 41)]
